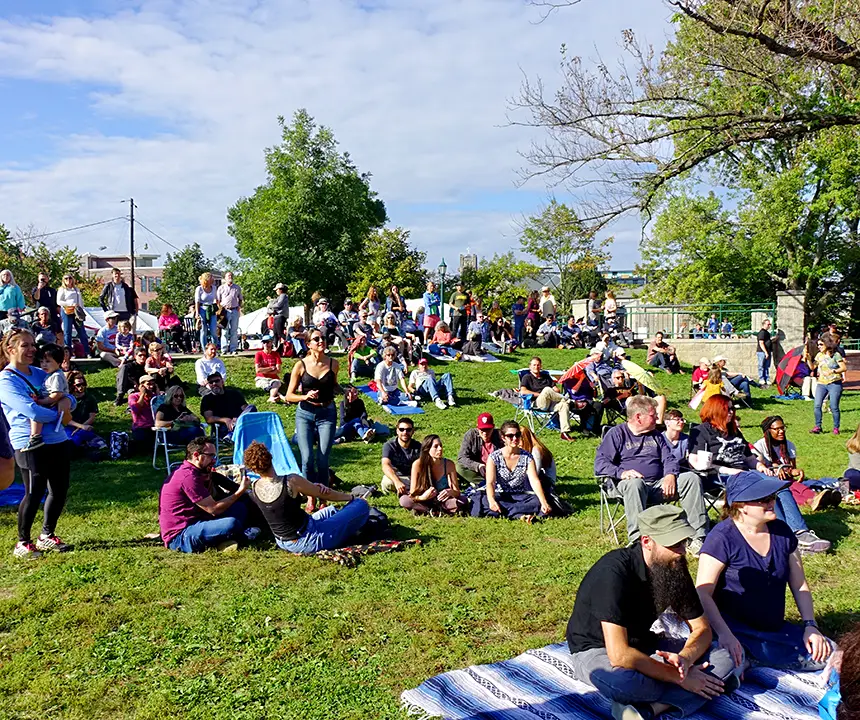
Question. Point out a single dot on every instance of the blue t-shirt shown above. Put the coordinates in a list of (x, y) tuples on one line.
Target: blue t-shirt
[(20, 408), (107, 336), (751, 588)]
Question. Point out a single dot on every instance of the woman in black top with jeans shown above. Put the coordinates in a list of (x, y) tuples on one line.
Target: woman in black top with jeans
[(316, 415)]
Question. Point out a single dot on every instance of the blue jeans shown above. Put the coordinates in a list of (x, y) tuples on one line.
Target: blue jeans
[(782, 649), (431, 389), (70, 322), (208, 328), (320, 421), (360, 368), (208, 533), (230, 336), (519, 324), (357, 427), (395, 397), (786, 510), (741, 383), (329, 528), (834, 390), (763, 366)]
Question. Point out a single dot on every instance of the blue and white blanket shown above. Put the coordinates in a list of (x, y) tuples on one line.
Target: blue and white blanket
[(539, 685)]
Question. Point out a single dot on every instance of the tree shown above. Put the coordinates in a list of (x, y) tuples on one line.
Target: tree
[(388, 259), (26, 255), (502, 278), (308, 224), (181, 272), (738, 74), (558, 239), (581, 280)]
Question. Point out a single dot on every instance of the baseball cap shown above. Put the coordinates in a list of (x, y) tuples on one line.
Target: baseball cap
[(111, 314), (485, 421), (749, 486), (718, 358), (423, 361), (704, 361), (665, 524), (619, 352), (280, 286), (544, 288), (322, 300), (266, 337)]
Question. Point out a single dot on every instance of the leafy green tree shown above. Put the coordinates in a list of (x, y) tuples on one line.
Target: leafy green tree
[(307, 225), (502, 278), (26, 255), (581, 280), (388, 259), (559, 240), (181, 272)]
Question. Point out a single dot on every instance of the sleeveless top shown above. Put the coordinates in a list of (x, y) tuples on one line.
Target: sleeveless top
[(280, 507), (516, 480), (324, 384)]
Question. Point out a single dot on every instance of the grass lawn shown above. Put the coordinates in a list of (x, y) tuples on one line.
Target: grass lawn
[(122, 628)]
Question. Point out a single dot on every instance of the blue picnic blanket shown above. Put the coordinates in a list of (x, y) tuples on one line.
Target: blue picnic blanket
[(390, 409), (540, 684), (12, 495)]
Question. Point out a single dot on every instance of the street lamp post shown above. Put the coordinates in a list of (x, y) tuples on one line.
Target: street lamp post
[(443, 268)]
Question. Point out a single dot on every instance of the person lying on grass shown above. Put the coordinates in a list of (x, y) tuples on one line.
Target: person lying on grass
[(279, 499)]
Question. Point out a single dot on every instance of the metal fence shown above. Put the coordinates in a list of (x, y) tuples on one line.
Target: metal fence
[(722, 320)]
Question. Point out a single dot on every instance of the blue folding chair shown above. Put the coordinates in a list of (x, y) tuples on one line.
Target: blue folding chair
[(267, 428), (536, 419)]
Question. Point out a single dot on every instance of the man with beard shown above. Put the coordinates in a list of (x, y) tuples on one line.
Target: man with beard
[(222, 405), (610, 635)]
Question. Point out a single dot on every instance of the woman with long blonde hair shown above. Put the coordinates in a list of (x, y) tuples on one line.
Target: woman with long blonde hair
[(205, 307), (544, 461)]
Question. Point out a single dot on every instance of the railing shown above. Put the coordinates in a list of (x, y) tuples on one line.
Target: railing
[(732, 319)]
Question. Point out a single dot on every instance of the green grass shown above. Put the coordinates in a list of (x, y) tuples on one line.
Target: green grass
[(122, 628)]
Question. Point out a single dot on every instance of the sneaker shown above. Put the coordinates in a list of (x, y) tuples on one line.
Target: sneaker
[(567, 437), (339, 441), (815, 431), (640, 711), (51, 542), (440, 403), (227, 546), (35, 442), (451, 401), (694, 547), (120, 400), (252, 533), (26, 551), (369, 435), (825, 499), (835, 431), (808, 541)]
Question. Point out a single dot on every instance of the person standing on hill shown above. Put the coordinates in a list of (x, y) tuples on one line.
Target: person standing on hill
[(119, 296), (764, 353)]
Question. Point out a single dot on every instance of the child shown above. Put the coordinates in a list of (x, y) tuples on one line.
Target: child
[(713, 384), (852, 474), (54, 392), (124, 339)]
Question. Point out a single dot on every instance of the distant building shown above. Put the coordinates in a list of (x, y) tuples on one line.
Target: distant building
[(469, 260), (147, 275), (623, 277)]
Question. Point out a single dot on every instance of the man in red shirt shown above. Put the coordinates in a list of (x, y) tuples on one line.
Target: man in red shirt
[(267, 368), (191, 519)]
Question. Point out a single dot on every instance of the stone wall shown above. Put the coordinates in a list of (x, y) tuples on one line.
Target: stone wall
[(740, 353)]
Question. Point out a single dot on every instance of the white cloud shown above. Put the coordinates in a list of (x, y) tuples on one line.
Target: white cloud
[(415, 90)]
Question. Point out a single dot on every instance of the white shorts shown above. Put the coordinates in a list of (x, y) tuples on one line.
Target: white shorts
[(265, 383)]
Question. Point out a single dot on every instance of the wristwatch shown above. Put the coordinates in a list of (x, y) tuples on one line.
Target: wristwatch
[(810, 623)]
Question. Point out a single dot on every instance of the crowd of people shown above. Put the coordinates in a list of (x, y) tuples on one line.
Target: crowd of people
[(506, 472)]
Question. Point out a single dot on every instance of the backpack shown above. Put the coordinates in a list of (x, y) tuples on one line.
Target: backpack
[(377, 527), (118, 445)]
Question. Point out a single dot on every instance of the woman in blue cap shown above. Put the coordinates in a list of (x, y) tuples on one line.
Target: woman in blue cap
[(745, 564)]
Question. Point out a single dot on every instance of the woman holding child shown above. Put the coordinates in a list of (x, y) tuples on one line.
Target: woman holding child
[(46, 467)]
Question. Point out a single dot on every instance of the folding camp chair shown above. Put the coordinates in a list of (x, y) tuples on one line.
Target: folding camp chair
[(613, 413), (536, 419), (161, 441), (267, 428), (611, 501)]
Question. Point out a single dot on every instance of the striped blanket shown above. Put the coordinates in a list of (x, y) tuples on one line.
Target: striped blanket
[(539, 685)]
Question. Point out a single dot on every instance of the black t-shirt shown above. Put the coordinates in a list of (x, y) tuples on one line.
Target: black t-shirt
[(284, 513), (764, 337), (617, 590), (401, 458), (170, 413), (228, 405), (536, 384), (729, 451), (86, 406)]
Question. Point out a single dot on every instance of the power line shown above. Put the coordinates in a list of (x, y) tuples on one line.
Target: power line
[(151, 232), (79, 227)]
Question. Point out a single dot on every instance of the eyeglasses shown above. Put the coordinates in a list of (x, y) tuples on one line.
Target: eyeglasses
[(212, 455), (678, 420), (513, 436), (777, 428)]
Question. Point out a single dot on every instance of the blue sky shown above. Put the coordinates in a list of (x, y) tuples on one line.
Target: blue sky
[(172, 102)]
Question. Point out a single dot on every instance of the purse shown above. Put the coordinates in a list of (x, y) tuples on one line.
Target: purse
[(80, 314)]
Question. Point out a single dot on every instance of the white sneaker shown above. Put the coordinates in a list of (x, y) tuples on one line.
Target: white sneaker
[(440, 403), (451, 401)]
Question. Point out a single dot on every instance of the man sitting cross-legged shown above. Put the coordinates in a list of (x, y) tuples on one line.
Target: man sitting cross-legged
[(222, 406), (610, 634), (190, 517), (641, 458), (398, 454), (542, 388), (478, 443)]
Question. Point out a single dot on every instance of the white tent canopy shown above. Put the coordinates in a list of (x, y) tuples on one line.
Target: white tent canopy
[(250, 324), (95, 320)]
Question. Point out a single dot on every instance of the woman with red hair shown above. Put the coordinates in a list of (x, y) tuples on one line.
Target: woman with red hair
[(728, 453)]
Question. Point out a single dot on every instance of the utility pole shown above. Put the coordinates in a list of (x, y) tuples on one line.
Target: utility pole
[(131, 239)]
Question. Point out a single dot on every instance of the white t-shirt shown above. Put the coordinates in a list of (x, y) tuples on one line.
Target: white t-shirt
[(203, 368), (760, 446), (388, 377), (56, 382), (416, 377), (119, 298)]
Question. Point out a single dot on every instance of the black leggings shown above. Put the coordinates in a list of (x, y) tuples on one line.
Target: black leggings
[(44, 468)]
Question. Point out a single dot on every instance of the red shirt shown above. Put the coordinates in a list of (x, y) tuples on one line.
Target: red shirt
[(264, 359)]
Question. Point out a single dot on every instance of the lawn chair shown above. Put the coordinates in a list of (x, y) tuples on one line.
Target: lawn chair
[(267, 428), (611, 501), (536, 419), (161, 441), (613, 413), (192, 334)]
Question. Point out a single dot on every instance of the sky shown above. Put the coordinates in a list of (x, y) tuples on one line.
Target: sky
[(172, 102)]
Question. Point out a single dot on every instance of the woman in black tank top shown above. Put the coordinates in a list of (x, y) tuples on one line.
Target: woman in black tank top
[(313, 385)]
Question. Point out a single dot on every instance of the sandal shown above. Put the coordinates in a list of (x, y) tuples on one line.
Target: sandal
[(528, 519)]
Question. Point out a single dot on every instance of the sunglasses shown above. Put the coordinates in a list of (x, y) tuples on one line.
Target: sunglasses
[(405, 429), (318, 339), (513, 436), (764, 501)]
